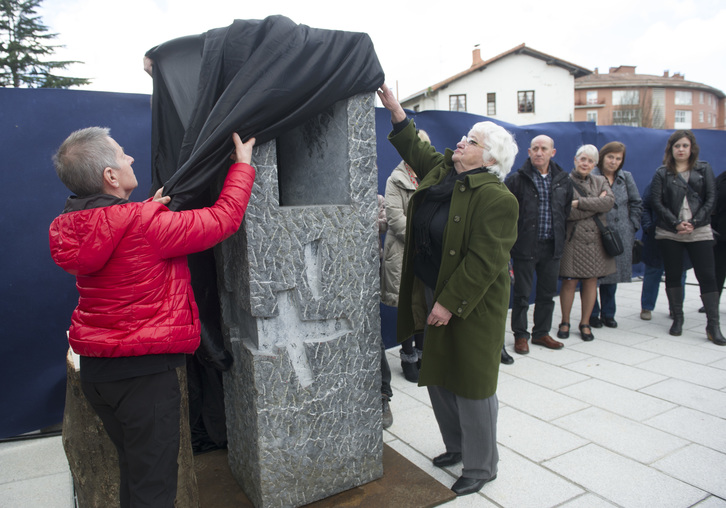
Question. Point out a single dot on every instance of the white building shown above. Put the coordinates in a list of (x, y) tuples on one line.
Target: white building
[(520, 86)]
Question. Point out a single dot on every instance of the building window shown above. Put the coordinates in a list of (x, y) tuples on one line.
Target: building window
[(525, 101), (457, 102), (684, 98), (629, 117), (710, 98), (700, 117), (701, 98), (682, 119), (626, 97), (416, 108), (592, 97), (491, 104), (592, 116)]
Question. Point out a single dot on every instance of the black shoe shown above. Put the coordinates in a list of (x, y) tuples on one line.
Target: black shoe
[(506, 358), (595, 322), (447, 459), (587, 337), (563, 334), (609, 322), (410, 371), (464, 485)]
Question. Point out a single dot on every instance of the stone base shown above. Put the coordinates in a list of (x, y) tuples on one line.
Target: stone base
[(92, 456), (403, 484)]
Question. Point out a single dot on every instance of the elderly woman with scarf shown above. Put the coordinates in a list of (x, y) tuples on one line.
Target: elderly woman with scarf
[(462, 224)]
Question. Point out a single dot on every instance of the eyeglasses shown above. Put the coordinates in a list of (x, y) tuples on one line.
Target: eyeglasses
[(471, 141)]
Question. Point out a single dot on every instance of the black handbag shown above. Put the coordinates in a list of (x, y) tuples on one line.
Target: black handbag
[(610, 239)]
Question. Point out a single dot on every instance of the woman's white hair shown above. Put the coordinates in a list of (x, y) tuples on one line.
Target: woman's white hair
[(499, 145), (589, 150)]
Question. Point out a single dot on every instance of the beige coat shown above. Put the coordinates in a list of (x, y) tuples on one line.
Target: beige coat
[(399, 188), (584, 255)]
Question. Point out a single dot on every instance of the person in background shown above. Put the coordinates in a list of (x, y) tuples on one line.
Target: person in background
[(718, 224), (400, 186), (544, 193), (386, 391), (136, 317), (584, 258), (624, 217), (652, 260), (683, 196), (462, 224)]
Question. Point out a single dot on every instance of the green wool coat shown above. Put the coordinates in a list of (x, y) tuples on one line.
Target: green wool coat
[(473, 282)]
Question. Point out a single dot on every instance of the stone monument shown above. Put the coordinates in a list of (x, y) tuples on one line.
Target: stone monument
[(299, 290), (92, 457)]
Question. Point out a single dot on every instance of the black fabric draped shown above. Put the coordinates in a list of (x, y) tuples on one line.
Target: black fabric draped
[(256, 77)]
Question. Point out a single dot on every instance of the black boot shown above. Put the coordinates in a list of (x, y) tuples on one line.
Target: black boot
[(713, 330), (506, 357), (675, 302), (409, 366)]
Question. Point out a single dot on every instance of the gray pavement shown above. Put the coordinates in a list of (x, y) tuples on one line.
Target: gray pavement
[(636, 418)]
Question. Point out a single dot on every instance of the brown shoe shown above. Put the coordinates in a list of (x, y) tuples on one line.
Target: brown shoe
[(521, 346), (548, 342)]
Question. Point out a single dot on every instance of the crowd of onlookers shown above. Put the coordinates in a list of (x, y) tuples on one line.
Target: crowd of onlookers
[(680, 215)]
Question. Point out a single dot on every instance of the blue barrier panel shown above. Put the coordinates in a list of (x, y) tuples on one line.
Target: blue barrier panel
[(37, 297)]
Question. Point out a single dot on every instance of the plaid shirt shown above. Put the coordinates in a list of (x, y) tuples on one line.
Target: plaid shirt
[(544, 186)]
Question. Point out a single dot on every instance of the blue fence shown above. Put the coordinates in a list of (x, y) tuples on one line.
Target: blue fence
[(38, 297)]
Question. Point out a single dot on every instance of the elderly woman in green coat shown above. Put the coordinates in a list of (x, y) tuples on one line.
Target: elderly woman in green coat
[(462, 225)]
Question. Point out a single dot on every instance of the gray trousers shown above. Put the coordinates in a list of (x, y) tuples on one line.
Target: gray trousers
[(468, 426)]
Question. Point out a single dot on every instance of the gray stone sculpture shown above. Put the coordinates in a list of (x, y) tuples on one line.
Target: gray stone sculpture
[(299, 290)]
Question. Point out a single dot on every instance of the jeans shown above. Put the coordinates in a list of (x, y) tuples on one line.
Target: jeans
[(547, 269), (606, 309), (651, 285)]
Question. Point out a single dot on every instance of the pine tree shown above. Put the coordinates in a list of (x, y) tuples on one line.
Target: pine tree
[(24, 43)]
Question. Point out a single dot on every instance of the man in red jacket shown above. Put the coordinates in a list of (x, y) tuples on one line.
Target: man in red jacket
[(136, 316)]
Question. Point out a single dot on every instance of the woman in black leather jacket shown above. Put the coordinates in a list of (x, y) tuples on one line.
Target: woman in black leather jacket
[(684, 194)]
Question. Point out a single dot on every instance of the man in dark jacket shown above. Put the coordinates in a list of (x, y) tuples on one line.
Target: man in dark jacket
[(544, 193)]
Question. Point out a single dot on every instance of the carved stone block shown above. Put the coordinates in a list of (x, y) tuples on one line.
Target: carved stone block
[(299, 288)]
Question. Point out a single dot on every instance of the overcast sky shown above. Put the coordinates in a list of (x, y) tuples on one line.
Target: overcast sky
[(418, 43)]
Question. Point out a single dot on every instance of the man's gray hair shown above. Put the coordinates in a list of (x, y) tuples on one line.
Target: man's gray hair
[(81, 159), (499, 145), (589, 150)]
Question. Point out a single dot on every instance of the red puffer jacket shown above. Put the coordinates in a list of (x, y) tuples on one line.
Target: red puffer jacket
[(131, 269)]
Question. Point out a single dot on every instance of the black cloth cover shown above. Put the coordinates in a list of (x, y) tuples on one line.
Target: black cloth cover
[(256, 77)]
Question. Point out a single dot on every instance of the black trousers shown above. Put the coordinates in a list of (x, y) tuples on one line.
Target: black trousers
[(141, 416), (701, 254), (719, 255), (547, 269)]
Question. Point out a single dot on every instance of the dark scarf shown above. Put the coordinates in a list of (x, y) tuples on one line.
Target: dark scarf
[(428, 241)]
